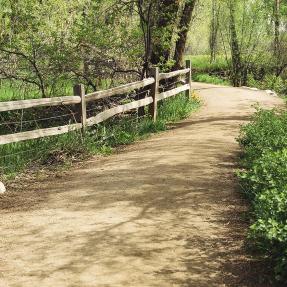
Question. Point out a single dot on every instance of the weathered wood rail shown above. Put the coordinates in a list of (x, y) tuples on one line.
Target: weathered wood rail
[(80, 99)]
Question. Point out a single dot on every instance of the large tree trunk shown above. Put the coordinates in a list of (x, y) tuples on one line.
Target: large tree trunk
[(234, 44), (184, 26), (163, 32)]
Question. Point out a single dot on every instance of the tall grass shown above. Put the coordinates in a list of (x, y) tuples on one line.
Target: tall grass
[(202, 63), (16, 91), (214, 72), (101, 139), (206, 78)]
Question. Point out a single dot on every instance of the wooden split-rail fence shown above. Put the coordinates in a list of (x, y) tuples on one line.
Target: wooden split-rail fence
[(81, 99)]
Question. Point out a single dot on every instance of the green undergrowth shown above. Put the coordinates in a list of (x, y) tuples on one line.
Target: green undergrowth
[(101, 139), (269, 82), (206, 78), (15, 91), (264, 181), (202, 63), (205, 71), (218, 72)]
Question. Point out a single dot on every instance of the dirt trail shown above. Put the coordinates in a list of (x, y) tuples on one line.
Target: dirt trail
[(165, 212)]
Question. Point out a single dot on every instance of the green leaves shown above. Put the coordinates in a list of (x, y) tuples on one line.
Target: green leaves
[(48, 43), (264, 180)]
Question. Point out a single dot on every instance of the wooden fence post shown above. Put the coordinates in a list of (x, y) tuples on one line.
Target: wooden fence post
[(154, 93), (189, 79), (79, 90)]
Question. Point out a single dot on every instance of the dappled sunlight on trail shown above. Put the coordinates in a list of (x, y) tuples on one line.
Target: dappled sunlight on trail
[(163, 212)]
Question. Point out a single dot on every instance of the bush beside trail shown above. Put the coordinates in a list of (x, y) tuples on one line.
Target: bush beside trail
[(264, 180)]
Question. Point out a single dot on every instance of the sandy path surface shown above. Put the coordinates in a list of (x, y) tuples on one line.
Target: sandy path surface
[(165, 212)]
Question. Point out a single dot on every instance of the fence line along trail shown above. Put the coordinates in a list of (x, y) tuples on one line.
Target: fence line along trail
[(81, 99), (164, 212)]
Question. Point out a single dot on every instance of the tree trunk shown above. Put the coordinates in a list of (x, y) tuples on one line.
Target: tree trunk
[(235, 51), (184, 26), (163, 32), (214, 30), (277, 35)]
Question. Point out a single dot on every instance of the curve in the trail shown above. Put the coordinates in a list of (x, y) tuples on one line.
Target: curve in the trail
[(164, 212)]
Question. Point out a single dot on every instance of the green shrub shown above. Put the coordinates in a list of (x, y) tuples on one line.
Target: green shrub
[(266, 132), (267, 171), (269, 231), (264, 180), (269, 82)]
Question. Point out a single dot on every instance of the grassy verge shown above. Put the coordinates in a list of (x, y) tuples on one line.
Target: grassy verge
[(101, 139), (264, 181), (202, 63), (206, 71), (206, 78), (15, 91), (11, 90)]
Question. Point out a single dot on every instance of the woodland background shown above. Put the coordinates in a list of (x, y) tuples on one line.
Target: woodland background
[(47, 46)]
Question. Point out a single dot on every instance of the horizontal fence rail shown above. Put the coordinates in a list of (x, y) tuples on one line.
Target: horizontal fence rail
[(173, 92), (119, 90), (47, 102), (13, 138), (103, 116), (165, 76), (80, 100)]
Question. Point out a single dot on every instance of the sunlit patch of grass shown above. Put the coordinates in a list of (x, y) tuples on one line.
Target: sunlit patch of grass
[(205, 78), (202, 63)]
